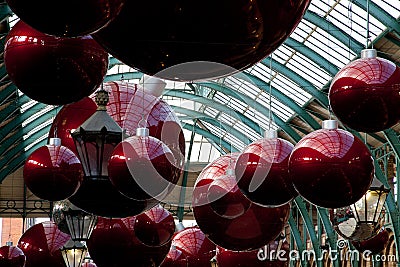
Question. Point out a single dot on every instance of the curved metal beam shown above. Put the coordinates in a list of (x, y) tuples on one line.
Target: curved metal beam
[(333, 30), (215, 139), (201, 116), (227, 110), (321, 61), (299, 80), (380, 14), (284, 99)]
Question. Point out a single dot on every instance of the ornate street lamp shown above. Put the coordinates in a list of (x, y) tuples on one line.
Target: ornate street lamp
[(80, 223), (368, 209), (214, 262), (73, 253), (363, 219), (96, 139)]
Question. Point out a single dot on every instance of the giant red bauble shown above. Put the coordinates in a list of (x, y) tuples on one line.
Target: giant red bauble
[(12, 256), (331, 167), (155, 227), (143, 167), (41, 244), (60, 18), (113, 243), (262, 172), (53, 172), (146, 110), (365, 94), (198, 250), (375, 244), (251, 230), (53, 70), (238, 36)]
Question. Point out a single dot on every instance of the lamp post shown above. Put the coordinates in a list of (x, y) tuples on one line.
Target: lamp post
[(363, 219), (80, 223), (96, 139), (73, 253), (367, 210)]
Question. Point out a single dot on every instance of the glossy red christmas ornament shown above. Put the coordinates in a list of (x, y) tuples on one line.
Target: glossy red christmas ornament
[(113, 243), (256, 227), (331, 167), (70, 117), (12, 256), (60, 20), (142, 167), (53, 70), (252, 30), (160, 119), (195, 245), (41, 245), (375, 244), (262, 172), (53, 172), (365, 94), (225, 198), (175, 258), (155, 227)]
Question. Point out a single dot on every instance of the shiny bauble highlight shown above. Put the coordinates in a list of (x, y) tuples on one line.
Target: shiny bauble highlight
[(12, 256)]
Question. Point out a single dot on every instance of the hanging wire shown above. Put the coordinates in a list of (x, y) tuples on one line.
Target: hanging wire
[(350, 15), (270, 93), (367, 28)]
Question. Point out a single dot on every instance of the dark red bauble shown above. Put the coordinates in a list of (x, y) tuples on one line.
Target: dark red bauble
[(60, 19), (142, 167), (256, 227), (69, 118), (365, 94), (100, 197), (251, 31), (53, 172), (225, 197), (262, 172), (160, 119), (41, 245), (114, 244), (155, 227), (198, 250), (12, 256), (53, 70), (375, 244), (175, 258), (331, 168)]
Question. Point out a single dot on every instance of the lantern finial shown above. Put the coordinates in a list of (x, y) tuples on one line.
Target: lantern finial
[(101, 99)]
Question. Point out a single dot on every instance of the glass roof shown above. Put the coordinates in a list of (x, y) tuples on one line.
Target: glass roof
[(286, 91)]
